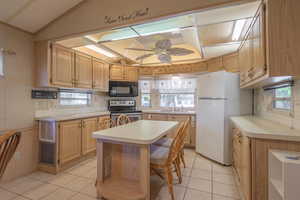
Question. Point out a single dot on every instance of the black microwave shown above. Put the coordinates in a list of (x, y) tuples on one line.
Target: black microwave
[(123, 89)]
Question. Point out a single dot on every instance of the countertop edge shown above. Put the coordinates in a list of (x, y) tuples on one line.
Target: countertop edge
[(262, 135), (66, 118)]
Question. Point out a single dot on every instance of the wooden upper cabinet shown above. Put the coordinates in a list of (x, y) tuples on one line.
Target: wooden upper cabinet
[(259, 64), (83, 71), (124, 73), (100, 75), (215, 64), (62, 68), (116, 73), (131, 74), (231, 63), (69, 140), (88, 142)]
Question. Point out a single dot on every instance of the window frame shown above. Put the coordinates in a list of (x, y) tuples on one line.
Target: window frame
[(150, 103), (2, 72), (88, 99), (275, 99)]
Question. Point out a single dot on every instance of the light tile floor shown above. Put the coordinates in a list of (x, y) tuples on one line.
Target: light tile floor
[(202, 180)]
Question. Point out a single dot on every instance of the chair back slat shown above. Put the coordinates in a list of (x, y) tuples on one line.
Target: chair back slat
[(107, 123), (8, 145), (123, 119), (178, 142)]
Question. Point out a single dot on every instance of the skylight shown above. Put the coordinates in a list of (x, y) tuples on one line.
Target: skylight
[(238, 27), (101, 51)]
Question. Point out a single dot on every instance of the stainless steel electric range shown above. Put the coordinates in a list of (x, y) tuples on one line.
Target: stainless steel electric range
[(127, 107)]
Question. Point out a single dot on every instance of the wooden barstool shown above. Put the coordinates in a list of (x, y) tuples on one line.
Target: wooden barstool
[(163, 158), (166, 142), (123, 119), (8, 144)]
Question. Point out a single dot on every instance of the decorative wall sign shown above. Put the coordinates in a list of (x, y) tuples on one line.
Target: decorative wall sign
[(126, 17)]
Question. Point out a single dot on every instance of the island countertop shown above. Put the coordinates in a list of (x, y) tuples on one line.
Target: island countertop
[(139, 132), (257, 127)]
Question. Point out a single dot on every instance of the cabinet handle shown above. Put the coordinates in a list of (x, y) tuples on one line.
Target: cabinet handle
[(83, 124)]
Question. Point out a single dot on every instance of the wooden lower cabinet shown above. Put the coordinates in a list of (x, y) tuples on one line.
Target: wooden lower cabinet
[(75, 138), (250, 161), (88, 127), (69, 141), (190, 139)]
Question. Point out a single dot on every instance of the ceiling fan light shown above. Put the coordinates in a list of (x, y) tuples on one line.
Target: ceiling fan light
[(238, 27), (100, 50)]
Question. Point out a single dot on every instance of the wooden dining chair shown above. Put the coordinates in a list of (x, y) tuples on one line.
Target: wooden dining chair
[(8, 144), (107, 123), (163, 158), (166, 142), (123, 119)]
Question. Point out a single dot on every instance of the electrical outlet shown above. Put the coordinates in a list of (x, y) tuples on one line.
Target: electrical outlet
[(17, 155)]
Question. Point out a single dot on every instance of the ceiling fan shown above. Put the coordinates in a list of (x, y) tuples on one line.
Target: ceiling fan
[(163, 50)]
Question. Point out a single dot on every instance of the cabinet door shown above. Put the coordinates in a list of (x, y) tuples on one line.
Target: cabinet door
[(259, 64), (99, 74), (84, 70), (105, 77), (62, 68), (131, 74), (69, 140), (88, 127), (116, 73), (245, 60), (245, 167)]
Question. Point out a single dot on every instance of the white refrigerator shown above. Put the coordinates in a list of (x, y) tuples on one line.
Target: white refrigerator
[(218, 97)]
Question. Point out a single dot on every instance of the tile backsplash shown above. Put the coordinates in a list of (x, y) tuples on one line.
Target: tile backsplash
[(45, 107), (264, 107)]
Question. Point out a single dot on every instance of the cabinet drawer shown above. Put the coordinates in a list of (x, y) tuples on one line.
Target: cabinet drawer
[(179, 118)]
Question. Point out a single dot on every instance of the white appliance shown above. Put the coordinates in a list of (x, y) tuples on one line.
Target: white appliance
[(218, 97)]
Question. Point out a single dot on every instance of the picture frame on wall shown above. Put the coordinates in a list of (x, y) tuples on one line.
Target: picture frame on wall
[(1, 63)]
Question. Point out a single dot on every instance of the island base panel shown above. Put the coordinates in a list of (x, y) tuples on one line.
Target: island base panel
[(123, 171)]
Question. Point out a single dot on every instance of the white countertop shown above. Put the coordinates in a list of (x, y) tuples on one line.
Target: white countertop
[(170, 112), (72, 116), (257, 127), (139, 132)]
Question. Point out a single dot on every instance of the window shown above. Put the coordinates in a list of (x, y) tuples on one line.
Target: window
[(145, 86), (282, 98), (177, 92), (74, 98)]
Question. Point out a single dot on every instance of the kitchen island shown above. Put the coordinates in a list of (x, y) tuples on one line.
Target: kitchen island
[(123, 154)]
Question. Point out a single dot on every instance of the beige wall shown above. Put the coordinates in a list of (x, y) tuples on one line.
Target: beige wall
[(16, 105), (263, 107), (89, 15)]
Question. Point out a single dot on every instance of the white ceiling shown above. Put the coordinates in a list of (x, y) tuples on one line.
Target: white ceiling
[(32, 15)]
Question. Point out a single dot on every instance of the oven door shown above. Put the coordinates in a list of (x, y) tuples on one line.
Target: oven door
[(123, 89)]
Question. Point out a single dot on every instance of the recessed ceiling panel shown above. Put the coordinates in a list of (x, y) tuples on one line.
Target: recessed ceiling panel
[(229, 13), (216, 33), (219, 50), (163, 26)]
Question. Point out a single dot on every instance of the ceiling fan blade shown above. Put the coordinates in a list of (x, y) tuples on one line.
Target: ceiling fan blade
[(179, 51), (164, 58), (144, 56), (137, 49), (163, 44)]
